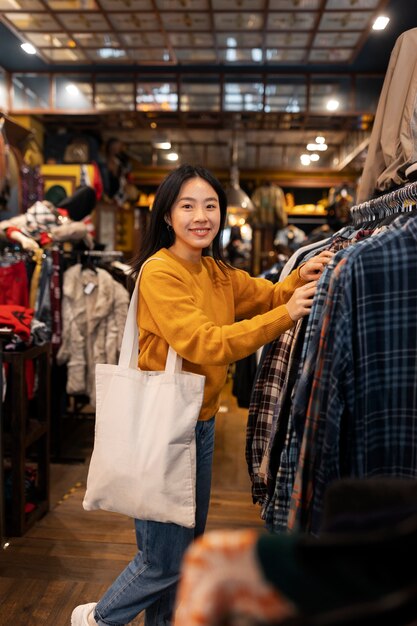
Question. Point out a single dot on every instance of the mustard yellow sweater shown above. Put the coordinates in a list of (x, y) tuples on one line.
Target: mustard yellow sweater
[(194, 308)]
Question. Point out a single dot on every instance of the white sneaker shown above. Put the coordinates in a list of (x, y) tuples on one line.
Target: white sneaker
[(83, 615)]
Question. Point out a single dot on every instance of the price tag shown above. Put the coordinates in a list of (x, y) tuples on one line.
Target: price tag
[(89, 288)]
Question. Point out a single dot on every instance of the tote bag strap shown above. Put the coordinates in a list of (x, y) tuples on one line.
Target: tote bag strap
[(130, 342)]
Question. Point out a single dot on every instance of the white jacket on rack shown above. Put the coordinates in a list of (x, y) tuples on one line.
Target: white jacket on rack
[(94, 310)]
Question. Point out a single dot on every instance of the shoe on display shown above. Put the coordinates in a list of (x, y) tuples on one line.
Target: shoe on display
[(83, 615)]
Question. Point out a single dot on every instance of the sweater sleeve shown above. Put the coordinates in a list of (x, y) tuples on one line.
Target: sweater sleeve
[(177, 318), (258, 295)]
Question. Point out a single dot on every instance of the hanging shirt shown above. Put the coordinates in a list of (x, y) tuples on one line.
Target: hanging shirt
[(368, 343)]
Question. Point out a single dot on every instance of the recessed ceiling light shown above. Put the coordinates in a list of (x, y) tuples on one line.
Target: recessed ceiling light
[(380, 22), (28, 48), (172, 156), (320, 139), (305, 159), (314, 157)]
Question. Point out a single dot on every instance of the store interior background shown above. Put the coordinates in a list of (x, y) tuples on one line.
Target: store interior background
[(242, 89)]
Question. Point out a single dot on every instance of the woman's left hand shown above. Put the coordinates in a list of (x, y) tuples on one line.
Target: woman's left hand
[(313, 269)]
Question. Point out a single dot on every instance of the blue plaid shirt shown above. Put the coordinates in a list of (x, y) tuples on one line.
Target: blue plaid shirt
[(363, 407)]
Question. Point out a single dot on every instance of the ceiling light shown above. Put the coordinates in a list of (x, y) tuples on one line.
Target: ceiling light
[(172, 156), (320, 139), (314, 147), (314, 157), (161, 143), (332, 105), (28, 48), (72, 89), (380, 22), (238, 201), (305, 159)]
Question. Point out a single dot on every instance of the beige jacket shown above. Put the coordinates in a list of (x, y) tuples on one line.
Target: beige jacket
[(393, 145), (94, 310)]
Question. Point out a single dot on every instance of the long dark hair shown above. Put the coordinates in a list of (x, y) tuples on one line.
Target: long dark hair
[(159, 234)]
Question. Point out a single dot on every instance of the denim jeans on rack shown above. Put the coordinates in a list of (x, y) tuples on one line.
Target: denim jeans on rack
[(149, 581)]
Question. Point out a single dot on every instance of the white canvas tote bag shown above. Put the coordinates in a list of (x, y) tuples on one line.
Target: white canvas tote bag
[(144, 458)]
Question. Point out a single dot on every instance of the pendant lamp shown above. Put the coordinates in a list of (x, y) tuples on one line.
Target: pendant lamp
[(238, 202)]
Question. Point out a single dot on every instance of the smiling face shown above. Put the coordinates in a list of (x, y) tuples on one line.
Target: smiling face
[(194, 218)]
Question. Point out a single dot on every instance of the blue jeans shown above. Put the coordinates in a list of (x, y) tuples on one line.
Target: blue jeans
[(149, 581)]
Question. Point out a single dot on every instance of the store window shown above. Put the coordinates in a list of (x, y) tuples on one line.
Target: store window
[(157, 96), (115, 92), (245, 95), (285, 94), (30, 91), (3, 91), (73, 92), (331, 94), (200, 96)]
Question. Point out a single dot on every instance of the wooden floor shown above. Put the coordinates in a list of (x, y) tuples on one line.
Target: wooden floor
[(71, 556)]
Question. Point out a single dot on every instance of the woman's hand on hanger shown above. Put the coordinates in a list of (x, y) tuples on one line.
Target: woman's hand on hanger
[(313, 268), (301, 301)]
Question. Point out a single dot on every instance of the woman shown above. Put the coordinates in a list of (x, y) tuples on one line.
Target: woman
[(190, 301)]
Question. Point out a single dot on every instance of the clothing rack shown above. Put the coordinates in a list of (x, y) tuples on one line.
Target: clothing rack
[(400, 200)]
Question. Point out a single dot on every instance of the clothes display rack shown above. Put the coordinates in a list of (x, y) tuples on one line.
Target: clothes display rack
[(6, 333), (401, 200)]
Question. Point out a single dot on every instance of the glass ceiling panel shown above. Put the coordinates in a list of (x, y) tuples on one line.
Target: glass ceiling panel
[(68, 55), (127, 5), (345, 21), (288, 5), (291, 21), (72, 5), (348, 4), (238, 21), (20, 5), (41, 40), (36, 22)]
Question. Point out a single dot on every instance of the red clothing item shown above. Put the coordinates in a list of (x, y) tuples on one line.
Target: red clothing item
[(18, 317), (14, 288)]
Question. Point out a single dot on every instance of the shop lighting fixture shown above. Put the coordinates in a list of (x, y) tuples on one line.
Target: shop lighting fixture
[(305, 159), (320, 139), (72, 89), (314, 147), (162, 144), (380, 23), (332, 105), (238, 202), (172, 156), (28, 48), (314, 157)]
